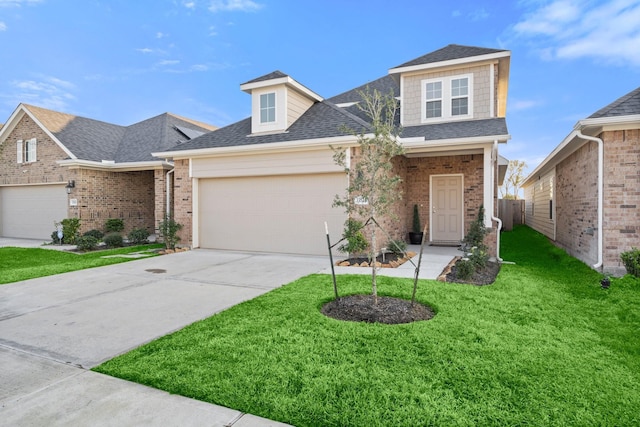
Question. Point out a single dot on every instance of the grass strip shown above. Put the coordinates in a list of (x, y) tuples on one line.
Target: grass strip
[(18, 264)]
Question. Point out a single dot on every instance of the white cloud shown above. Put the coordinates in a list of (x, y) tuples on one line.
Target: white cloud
[(168, 62), (234, 6), (479, 14), (3, 26), (189, 4), (47, 92), (522, 104), (18, 3), (213, 31), (145, 50), (160, 35), (572, 29), (199, 67)]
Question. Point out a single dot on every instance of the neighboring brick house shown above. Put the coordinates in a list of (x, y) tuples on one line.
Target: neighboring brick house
[(267, 183), (55, 166), (585, 195)]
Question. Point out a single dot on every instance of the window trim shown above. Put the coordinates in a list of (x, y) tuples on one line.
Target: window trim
[(447, 98), (268, 108), (26, 151)]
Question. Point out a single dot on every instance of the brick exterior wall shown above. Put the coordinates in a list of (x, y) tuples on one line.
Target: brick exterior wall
[(104, 194), (100, 194), (621, 196), (44, 170), (183, 201), (577, 200), (416, 173)]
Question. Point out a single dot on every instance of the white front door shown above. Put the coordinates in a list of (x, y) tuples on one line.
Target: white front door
[(446, 208)]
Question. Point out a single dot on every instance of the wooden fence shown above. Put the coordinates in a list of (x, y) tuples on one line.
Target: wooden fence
[(510, 212)]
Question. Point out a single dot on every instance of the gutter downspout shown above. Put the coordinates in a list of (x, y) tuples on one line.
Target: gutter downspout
[(579, 134), (168, 184), (494, 181)]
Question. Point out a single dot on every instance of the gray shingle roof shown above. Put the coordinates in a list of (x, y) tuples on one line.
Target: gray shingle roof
[(454, 130), (272, 75), (383, 85), (322, 120), (626, 105), (95, 140), (450, 52)]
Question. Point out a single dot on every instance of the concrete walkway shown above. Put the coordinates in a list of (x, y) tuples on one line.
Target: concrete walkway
[(53, 329)]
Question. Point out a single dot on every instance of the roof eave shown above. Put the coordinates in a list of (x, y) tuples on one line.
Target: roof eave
[(117, 167), (287, 81), (572, 141), (299, 145), (453, 62)]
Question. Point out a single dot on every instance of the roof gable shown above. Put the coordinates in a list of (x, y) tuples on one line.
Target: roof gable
[(626, 105), (93, 140), (449, 53)]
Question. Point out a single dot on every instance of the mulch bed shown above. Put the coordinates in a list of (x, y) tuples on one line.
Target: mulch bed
[(388, 310), (482, 277), (388, 261)]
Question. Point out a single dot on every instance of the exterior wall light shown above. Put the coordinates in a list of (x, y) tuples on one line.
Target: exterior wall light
[(71, 184)]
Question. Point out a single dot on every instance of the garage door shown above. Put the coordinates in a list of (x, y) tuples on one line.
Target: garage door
[(30, 211), (270, 214)]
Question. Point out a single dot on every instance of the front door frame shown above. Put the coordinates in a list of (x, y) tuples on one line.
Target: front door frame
[(432, 200)]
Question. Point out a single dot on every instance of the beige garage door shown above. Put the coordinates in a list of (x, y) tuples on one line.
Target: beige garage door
[(29, 211), (283, 214)]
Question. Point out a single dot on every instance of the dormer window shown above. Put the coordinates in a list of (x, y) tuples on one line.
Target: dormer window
[(447, 98), (268, 107)]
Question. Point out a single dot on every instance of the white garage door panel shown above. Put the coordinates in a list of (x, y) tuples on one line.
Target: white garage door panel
[(30, 211), (271, 214)]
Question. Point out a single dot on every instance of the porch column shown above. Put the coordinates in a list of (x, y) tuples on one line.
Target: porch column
[(488, 186)]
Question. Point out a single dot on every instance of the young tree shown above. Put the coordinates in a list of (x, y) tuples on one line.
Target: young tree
[(513, 180), (373, 187)]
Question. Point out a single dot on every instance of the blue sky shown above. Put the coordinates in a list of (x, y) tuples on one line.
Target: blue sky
[(123, 61)]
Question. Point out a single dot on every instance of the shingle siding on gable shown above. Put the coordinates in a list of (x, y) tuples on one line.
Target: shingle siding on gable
[(297, 104), (412, 92)]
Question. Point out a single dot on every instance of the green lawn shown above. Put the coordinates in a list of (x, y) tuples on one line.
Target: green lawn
[(28, 263), (544, 345)]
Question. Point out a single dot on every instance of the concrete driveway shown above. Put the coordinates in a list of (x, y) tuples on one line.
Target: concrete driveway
[(53, 329)]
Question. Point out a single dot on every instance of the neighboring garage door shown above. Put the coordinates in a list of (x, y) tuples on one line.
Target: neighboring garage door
[(30, 211), (271, 214)]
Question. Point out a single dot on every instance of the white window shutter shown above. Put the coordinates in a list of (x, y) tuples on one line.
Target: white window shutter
[(19, 151), (32, 150)]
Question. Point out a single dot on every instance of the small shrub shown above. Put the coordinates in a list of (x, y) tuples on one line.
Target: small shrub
[(355, 241), (113, 240), (138, 236), (114, 225), (465, 269), (168, 229), (86, 243), (70, 231), (54, 237), (397, 247), (478, 257), (415, 225), (631, 261), (95, 233), (477, 232)]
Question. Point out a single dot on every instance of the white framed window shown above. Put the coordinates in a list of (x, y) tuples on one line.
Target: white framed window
[(26, 150), (447, 98), (268, 107)]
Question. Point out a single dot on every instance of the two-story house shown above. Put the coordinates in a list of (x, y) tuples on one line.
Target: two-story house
[(55, 165), (267, 183)]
